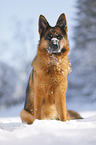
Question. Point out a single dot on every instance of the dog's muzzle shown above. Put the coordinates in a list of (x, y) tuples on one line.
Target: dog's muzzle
[(55, 43), (54, 46)]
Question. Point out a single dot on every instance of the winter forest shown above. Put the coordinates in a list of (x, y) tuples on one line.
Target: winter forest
[(18, 46)]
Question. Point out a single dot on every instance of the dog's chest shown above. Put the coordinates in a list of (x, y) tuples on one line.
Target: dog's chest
[(51, 67), (54, 69)]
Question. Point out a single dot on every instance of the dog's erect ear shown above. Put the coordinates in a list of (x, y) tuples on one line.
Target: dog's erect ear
[(62, 23), (43, 25)]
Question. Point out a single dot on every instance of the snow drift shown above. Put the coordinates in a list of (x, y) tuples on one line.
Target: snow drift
[(49, 132)]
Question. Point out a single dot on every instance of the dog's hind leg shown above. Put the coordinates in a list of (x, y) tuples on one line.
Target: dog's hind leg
[(27, 114), (26, 117)]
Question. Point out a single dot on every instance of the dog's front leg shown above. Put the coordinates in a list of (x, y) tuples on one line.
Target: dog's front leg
[(63, 109), (60, 101)]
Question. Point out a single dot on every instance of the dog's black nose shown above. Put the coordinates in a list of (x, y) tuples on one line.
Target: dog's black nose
[(55, 42), (54, 46)]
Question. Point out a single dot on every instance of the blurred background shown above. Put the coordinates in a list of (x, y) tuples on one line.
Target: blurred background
[(18, 45)]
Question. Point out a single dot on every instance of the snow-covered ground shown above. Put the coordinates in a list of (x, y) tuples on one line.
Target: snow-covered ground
[(47, 132)]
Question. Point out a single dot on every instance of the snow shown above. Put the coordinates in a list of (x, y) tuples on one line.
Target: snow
[(47, 132)]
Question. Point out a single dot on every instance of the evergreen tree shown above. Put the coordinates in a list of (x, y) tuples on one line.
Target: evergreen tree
[(82, 80)]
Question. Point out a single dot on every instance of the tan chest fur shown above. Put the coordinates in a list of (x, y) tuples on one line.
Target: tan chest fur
[(47, 85), (50, 74)]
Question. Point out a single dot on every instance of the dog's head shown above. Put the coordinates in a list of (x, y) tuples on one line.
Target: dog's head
[(53, 39)]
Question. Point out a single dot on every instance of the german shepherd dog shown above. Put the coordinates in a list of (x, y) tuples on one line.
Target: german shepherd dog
[(45, 94)]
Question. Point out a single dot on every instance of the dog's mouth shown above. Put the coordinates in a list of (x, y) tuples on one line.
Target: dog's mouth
[(54, 46)]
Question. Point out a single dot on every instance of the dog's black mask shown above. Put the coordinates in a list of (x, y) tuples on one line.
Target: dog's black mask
[(54, 43), (53, 35)]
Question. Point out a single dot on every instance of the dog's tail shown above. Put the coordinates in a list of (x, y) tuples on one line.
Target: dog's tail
[(74, 115)]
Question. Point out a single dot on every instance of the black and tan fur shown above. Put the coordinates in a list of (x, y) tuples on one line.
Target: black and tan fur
[(45, 95)]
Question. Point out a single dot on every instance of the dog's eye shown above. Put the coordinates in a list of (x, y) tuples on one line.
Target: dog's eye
[(49, 37), (59, 36)]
